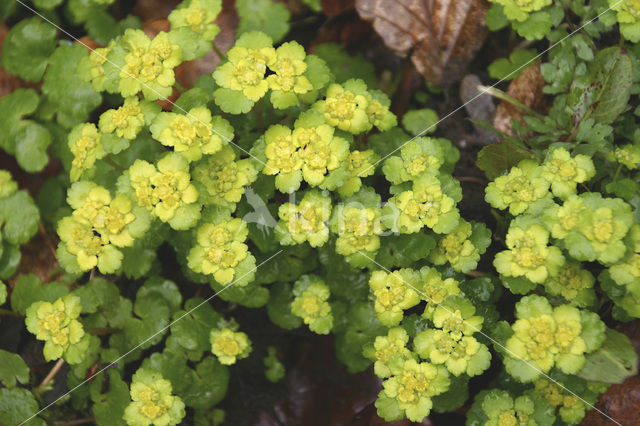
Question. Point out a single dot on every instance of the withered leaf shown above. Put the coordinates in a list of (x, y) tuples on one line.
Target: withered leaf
[(526, 88), (441, 36)]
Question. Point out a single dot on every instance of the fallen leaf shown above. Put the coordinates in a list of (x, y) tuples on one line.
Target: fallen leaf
[(441, 36), (153, 9), (621, 402), (526, 88), (333, 8)]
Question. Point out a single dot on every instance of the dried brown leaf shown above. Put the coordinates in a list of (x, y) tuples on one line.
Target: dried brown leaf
[(441, 36), (621, 402), (526, 88), (333, 8)]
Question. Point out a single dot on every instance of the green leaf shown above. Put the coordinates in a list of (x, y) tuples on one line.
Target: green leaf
[(31, 147), (191, 332), (496, 19), (3, 289), (603, 93), (263, 15), (344, 66), (164, 288), (13, 108), (19, 218), (497, 158), (508, 69), (29, 289), (232, 101), (613, 362), (96, 294), (535, 27), (454, 397), (12, 368), (73, 98), (279, 307), (624, 188), (9, 261), (401, 251), (27, 47), (137, 260), (518, 285), (46, 4), (108, 407), (420, 121), (17, 405)]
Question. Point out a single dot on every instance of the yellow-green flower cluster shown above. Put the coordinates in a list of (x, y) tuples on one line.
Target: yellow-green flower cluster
[(360, 164), (98, 224), (288, 79), (628, 13), (435, 290), (352, 108), (394, 293), (147, 64), (544, 337), (86, 147), (501, 409), (57, 324), (307, 221), (528, 253), (572, 283), (221, 251), (628, 155), (389, 352), (517, 190), (223, 178), (165, 190), (254, 67), (198, 16), (452, 343), (570, 407), (592, 227), (311, 303), (152, 401), (91, 68), (229, 345), (193, 134), (519, 10), (627, 271), (7, 185), (247, 65), (410, 390), (426, 204), (358, 227), (564, 172), (419, 156), (308, 152), (126, 121), (458, 249)]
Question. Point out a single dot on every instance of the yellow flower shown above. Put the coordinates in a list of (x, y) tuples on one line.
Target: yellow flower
[(247, 65), (220, 249), (85, 145), (307, 221), (229, 346)]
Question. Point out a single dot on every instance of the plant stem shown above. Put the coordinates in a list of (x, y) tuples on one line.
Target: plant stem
[(497, 93), (77, 422), (9, 313), (615, 177), (218, 52), (113, 164), (55, 370)]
